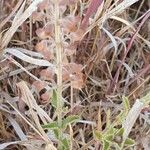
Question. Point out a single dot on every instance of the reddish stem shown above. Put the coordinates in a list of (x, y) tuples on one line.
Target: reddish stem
[(94, 4)]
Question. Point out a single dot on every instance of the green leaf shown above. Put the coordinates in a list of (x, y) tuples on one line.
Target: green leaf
[(56, 132), (54, 99), (120, 132), (146, 99), (126, 104), (106, 145), (121, 117), (129, 141), (69, 120), (98, 135), (53, 125), (108, 118), (65, 144), (109, 137), (110, 131)]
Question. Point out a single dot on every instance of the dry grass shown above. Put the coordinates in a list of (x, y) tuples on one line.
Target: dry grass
[(75, 75)]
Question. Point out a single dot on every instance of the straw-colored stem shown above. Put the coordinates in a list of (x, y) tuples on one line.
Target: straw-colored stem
[(59, 62)]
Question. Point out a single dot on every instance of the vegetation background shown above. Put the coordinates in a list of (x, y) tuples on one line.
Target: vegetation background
[(74, 74)]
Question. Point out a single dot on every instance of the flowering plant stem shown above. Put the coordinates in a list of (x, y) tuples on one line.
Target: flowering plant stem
[(59, 65)]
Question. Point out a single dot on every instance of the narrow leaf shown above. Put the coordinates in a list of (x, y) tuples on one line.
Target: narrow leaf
[(54, 99), (126, 104), (98, 135), (120, 132), (65, 143), (53, 125), (106, 145), (69, 120), (131, 118), (129, 142)]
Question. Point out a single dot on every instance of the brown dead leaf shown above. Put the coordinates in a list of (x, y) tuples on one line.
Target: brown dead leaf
[(77, 68), (44, 5), (38, 85), (70, 70), (77, 84), (77, 36), (65, 75), (37, 16), (47, 55), (73, 68), (41, 33), (45, 32), (73, 72), (47, 74), (21, 105), (70, 50), (70, 23), (67, 2), (41, 46), (77, 81), (45, 97), (49, 29)]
